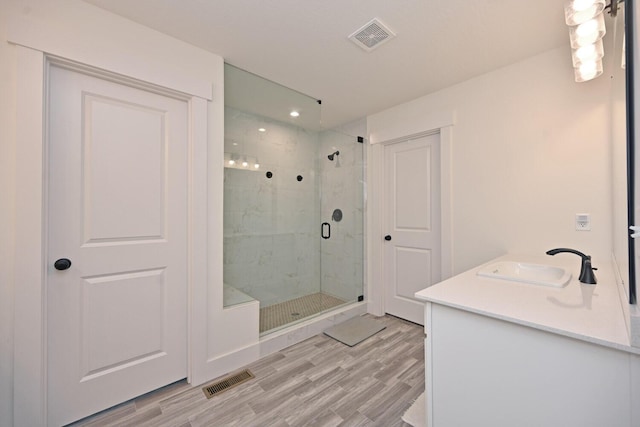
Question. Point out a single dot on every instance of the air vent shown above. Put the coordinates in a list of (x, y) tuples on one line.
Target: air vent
[(227, 383), (371, 35)]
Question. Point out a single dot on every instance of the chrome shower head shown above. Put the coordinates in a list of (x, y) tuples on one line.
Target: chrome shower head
[(335, 153)]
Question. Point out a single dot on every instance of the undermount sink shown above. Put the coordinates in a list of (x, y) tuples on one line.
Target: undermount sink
[(536, 274)]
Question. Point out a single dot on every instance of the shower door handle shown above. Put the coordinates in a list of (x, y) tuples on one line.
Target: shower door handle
[(325, 230)]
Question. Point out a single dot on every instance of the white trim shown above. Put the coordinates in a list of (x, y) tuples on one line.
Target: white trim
[(443, 124), (30, 297), (428, 368), (29, 399), (197, 245), (61, 42), (446, 201), (375, 285), (399, 123)]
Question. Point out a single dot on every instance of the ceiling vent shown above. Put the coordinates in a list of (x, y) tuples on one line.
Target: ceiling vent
[(373, 34)]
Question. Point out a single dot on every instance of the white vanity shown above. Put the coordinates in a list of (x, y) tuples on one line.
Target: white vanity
[(506, 353)]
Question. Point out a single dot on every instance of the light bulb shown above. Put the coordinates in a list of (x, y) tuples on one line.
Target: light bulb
[(262, 130), (244, 164), (590, 52), (588, 32), (232, 162), (578, 11), (588, 70), (580, 5), (256, 165), (587, 28), (294, 114)]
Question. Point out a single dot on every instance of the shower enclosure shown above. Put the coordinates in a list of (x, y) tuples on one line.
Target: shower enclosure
[(293, 204)]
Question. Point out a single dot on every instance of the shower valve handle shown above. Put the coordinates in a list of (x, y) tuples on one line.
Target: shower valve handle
[(325, 230)]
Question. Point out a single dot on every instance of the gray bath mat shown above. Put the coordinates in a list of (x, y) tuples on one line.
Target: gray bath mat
[(355, 330)]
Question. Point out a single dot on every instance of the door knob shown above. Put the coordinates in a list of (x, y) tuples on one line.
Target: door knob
[(62, 264), (387, 237)]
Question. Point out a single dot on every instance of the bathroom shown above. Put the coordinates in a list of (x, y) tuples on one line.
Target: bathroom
[(524, 130)]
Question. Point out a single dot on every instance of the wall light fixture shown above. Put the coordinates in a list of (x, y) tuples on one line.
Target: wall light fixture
[(586, 29)]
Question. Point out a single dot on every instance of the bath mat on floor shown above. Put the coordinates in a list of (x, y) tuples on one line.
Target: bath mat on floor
[(416, 415), (355, 330)]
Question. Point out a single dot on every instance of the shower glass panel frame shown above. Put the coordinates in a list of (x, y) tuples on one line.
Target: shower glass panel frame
[(293, 216)]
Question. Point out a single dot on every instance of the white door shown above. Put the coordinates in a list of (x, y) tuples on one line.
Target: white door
[(412, 223), (117, 200)]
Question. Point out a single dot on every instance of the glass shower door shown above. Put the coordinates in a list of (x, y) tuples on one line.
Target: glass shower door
[(341, 167)]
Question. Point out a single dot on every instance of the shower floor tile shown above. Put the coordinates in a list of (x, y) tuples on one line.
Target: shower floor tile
[(277, 315)]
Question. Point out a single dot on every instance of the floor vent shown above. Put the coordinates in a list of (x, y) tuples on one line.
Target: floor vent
[(227, 383), (373, 34)]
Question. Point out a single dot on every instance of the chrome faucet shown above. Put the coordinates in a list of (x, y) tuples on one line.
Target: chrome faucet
[(586, 270)]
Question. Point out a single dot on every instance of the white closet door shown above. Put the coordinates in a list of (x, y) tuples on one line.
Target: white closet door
[(412, 254), (117, 197)]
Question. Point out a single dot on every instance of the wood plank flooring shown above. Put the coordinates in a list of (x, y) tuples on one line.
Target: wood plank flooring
[(318, 382)]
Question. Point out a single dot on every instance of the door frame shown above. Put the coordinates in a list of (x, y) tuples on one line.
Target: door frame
[(441, 123), (30, 329)]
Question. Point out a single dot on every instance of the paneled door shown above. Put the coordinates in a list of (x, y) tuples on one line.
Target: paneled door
[(117, 242), (412, 251)]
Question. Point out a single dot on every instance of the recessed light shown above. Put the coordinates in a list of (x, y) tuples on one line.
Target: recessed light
[(262, 130), (294, 114)]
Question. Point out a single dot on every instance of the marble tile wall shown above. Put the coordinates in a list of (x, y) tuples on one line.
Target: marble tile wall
[(271, 225), (272, 246)]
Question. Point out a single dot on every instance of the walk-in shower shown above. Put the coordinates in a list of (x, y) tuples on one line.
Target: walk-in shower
[(293, 221)]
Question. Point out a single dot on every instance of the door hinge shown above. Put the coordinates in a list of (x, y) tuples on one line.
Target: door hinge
[(636, 231)]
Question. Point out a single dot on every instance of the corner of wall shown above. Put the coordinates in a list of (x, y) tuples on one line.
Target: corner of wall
[(7, 219)]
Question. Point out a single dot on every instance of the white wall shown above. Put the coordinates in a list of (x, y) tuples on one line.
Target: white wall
[(530, 150), (7, 218), (96, 37)]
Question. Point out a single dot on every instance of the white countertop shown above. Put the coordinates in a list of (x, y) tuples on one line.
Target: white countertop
[(585, 312)]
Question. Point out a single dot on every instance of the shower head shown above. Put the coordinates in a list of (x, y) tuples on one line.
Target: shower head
[(335, 153)]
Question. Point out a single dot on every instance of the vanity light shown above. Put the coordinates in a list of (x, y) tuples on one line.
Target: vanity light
[(294, 114), (245, 164), (578, 11), (586, 29), (256, 165), (232, 162)]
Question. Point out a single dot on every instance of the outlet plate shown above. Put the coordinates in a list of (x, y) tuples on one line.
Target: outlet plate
[(583, 222)]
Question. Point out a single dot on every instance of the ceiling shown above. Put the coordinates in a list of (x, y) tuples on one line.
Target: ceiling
[(304, 45)]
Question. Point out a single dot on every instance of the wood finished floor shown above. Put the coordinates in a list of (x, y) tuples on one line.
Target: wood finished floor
[(318, 382)]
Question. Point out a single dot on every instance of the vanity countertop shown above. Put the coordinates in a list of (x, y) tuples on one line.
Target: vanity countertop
[(585, 312)]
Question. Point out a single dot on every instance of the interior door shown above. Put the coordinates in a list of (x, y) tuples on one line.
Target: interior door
[(412, 242), (117, 243)]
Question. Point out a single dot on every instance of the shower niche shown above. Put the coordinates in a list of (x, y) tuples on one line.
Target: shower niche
[(283, 182)]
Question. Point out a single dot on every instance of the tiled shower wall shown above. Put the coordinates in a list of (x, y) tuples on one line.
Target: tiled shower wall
[(272, 245), (271, 225)]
